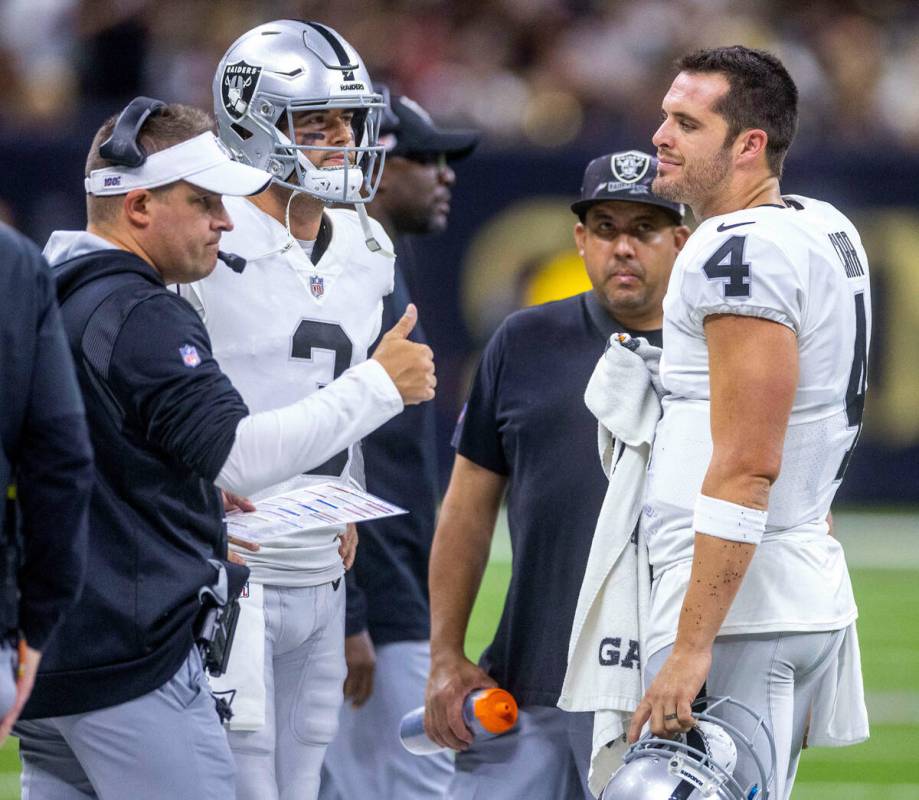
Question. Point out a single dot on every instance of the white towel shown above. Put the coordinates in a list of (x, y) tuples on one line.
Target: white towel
[(245, 675), (838, 713), (604, 668)]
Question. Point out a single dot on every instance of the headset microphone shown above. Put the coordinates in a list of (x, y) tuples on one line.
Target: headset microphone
[(233, 261)]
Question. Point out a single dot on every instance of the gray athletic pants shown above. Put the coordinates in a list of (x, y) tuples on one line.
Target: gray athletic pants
[(546, 757), (366, 759), (168, 743), (777, 676)]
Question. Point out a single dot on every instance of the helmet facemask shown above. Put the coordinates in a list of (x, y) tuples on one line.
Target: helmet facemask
[(355, 181)]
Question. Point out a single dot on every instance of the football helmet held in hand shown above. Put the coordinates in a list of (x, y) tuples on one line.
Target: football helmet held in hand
[(698, 764)]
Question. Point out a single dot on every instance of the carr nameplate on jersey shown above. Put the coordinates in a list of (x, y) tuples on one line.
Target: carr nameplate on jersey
[(848, 255)]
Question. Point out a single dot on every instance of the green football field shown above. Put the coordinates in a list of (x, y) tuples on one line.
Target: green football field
[(883, 554)]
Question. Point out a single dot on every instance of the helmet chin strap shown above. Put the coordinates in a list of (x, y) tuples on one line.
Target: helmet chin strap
[(369, 239), (312, 171), (290, 200), (338, 191)]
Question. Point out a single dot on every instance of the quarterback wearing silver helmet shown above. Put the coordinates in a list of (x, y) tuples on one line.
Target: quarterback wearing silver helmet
[(305, 312), (279, 69)]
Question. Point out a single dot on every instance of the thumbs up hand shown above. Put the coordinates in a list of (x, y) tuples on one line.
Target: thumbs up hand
[(405, 325), (409, 364)]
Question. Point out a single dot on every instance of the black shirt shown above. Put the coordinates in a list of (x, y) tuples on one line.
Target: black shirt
[(391, 568), (162, 419), (526, 419), (44, 448)]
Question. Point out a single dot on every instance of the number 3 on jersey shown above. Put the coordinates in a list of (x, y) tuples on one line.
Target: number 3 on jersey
[(312, 335)]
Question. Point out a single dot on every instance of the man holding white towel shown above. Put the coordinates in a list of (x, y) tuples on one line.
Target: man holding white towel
[(767, 321), (526, 432)]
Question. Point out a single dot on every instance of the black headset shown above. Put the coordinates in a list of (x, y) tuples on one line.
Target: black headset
[(123, 149)]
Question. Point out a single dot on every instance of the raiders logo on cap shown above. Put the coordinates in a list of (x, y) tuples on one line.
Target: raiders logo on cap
[(622, 176), (631, 166), (237, 87)]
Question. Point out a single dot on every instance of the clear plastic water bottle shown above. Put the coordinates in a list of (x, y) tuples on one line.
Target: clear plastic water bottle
[(487, 713)]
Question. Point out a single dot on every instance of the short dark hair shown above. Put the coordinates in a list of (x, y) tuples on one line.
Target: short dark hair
[(761, 95), (171, 125)]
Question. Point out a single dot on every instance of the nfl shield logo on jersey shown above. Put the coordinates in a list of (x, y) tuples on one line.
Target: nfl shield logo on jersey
[(190, 357), (631, 166), (317, 285)]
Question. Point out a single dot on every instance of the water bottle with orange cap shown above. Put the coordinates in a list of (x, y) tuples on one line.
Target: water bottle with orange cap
[(487, 713)]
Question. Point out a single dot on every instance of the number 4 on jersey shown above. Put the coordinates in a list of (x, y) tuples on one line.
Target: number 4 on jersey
[(727, 263), (858, 380)]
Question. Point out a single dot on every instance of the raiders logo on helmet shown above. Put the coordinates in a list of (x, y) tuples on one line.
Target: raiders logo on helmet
[(237, 87), (630, 167)]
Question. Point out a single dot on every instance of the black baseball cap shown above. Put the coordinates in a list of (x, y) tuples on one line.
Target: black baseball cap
[(623, 176), (407, 129)]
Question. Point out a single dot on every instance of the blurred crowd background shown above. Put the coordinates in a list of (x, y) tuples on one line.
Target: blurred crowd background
[(546, 72), (551, 84)]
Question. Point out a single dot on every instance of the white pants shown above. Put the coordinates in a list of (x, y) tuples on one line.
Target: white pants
[(546, 757), (367, 759), (304, 673), (777, 676)]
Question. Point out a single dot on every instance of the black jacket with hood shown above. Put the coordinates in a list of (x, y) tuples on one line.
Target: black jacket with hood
[(162, 420)]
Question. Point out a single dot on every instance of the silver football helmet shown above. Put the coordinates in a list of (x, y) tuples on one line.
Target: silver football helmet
[(284, 67), (697, 765)]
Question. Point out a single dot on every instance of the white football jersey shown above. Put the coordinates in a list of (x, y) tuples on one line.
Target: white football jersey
[(285, 328), (802, 266)]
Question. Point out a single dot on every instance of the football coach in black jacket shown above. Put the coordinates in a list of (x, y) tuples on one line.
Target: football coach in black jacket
[(121, 707), (45, 470)]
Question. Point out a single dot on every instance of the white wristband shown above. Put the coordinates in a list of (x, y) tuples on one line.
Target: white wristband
[(729, 521)]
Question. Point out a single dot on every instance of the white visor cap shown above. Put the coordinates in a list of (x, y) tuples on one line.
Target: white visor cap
[(203, 161)]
